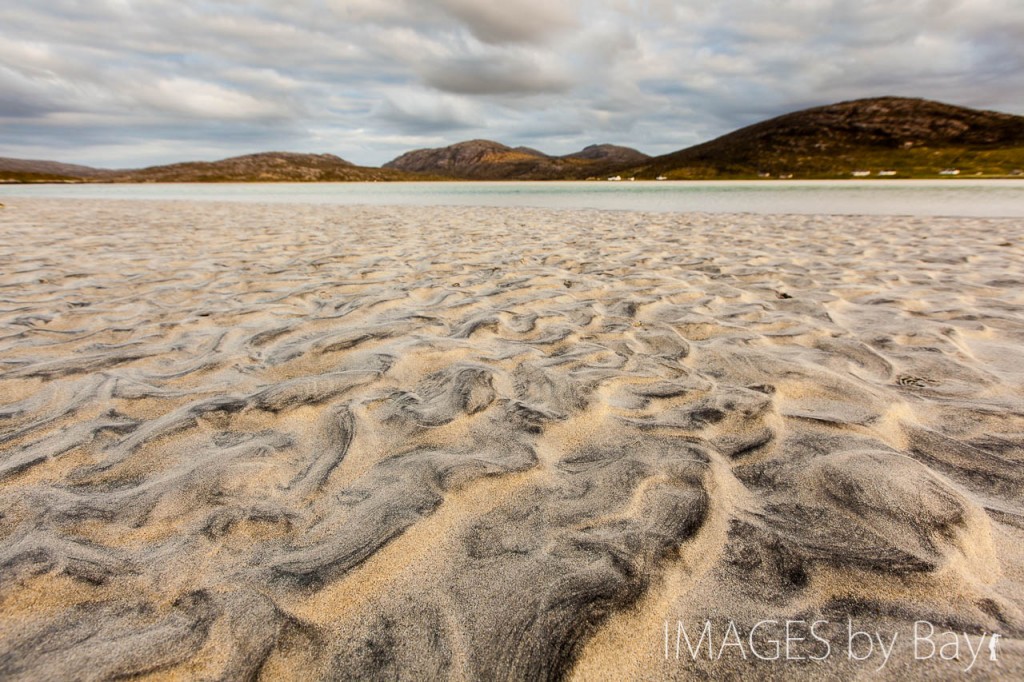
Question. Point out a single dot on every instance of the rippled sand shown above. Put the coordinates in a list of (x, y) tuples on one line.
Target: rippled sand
[(330, 442)]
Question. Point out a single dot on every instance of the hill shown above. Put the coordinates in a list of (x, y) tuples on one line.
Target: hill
[(488, 160), (30, 170), (263, 167), (913, 137)]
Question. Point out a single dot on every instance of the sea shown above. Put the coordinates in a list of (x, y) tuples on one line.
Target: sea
[(947, 197)]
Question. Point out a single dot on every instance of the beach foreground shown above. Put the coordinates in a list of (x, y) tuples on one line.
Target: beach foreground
[(335, 442)]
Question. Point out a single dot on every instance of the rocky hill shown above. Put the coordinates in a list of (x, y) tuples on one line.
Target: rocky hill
[(487, 160), (912, 137), (609, 153)]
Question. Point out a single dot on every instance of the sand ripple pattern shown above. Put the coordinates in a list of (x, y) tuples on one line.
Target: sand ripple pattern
[(243, 441)]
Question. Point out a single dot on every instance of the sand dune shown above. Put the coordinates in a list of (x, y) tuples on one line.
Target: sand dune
[(243, 441)]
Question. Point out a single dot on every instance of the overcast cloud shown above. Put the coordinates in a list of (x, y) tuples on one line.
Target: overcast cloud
[(120, 83)]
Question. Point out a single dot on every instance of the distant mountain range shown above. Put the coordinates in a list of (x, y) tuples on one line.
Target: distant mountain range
[(896, 136)]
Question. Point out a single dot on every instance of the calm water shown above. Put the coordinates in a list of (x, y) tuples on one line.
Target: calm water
[(982, 198)]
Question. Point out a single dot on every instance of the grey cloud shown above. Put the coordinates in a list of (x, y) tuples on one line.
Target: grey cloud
[(167, 80), (22, 98), (507, 75), (510, 21), (422, 111)]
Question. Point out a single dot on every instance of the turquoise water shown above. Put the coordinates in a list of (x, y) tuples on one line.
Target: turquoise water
[(979, 198)]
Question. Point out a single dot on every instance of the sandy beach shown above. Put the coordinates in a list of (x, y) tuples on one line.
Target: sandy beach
[(244, 441)]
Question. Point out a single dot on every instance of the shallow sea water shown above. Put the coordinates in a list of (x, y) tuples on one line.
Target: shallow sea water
[(957, 198)]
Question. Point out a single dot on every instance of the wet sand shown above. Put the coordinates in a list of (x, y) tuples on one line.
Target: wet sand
[(242, 441)]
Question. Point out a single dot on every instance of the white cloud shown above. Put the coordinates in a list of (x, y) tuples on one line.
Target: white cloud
[(194, 98)]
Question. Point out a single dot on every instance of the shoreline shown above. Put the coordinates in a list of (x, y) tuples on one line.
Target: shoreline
[(908, 198), (552, 181)]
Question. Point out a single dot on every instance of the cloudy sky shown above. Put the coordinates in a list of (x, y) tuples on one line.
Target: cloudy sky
[(125, 83)]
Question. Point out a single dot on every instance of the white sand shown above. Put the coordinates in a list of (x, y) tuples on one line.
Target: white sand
[(241, 440)]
